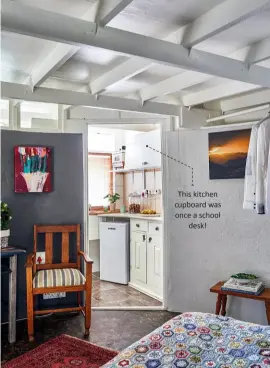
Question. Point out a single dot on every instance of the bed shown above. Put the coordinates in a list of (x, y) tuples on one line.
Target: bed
[(196, 340)]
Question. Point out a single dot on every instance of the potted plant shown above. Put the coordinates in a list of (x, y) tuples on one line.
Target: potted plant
[(112, 198), (5, 219)]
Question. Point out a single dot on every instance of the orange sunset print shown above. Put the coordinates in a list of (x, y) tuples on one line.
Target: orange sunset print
[(228, 153)]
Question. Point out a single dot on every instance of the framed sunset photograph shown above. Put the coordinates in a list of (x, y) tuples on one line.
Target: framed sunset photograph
[(32, 169), (228, 153)]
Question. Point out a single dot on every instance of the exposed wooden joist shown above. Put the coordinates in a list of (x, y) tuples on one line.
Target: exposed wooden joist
[(60, 54), (63, 52), (40, 94), (200, 29), (138, 121), (252, 99), (173, 84), (222, 17), (217, 93), (255, 53), (26, 20), (111, 10), (122, 72), (258, 52), (238, 113)]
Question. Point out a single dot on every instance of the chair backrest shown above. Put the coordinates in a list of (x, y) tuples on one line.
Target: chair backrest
[(49, 231)]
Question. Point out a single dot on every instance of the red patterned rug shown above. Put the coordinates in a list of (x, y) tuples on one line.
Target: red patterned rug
[(64, 352)]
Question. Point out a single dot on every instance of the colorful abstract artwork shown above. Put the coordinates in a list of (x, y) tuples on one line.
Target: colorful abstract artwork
[(33, 171), (228, 154)]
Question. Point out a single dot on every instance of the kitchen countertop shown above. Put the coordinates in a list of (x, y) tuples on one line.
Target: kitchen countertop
[(131, 215), (101, 212)]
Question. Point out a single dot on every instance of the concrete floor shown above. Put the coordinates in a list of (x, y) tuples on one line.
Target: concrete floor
[(110, 294), (112, 329)]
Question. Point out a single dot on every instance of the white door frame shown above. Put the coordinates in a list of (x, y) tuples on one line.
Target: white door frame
[(166, 124)]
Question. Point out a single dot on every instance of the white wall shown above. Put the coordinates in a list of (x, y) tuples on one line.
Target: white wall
[(237, 242), (108, 139)]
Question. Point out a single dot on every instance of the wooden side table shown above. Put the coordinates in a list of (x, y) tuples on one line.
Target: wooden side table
[(12, 253), (222, 298)]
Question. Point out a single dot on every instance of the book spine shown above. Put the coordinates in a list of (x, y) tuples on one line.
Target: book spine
[(244, 288), (243, 291)]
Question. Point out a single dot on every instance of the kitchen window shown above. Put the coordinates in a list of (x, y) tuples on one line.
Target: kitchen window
[(100, 179)]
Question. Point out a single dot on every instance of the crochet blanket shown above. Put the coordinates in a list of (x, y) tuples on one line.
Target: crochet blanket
[(197, 340)]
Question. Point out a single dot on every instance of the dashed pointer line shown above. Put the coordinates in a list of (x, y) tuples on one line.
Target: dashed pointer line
[(174, 159)]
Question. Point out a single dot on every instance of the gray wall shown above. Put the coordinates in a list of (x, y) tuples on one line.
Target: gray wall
[(64, 205), (237, 242)]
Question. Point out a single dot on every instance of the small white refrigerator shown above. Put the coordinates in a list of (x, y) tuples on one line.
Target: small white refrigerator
[(114, 252)]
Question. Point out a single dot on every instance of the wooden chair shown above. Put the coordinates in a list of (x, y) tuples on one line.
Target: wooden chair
[(58, 277)]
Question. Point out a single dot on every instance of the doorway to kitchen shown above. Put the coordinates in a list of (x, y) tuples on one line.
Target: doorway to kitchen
[(125, 222)]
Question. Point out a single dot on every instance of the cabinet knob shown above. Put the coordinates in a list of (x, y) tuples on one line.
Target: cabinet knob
[(137, 225), (143, 237), (157, 228), (150, 239)]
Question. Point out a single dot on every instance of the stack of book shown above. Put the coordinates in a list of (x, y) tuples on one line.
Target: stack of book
[(253, 287)]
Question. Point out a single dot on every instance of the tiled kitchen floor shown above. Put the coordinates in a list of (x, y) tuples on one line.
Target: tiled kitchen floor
[(109, 294)]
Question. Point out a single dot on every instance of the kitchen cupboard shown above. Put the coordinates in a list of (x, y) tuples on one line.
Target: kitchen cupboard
[(154, 264), (138, 256), (146, 261), (151, 139), (137, 153)]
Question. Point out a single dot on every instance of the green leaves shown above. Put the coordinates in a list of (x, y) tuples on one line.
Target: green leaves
[(246, 276), (5, 216), (112, 198)]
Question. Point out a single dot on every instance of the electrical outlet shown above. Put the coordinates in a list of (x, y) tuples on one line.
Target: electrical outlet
[(54, 295), (40, 257)]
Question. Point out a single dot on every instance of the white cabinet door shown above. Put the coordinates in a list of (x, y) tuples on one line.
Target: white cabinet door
[(154, 262), (138, 257), (133, 159), (150, 139)]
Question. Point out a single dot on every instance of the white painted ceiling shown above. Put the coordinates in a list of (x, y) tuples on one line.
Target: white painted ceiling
[(22, 55)]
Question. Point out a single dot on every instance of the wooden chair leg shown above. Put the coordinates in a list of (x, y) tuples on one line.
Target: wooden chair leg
[(88, 298), (30, 303), (30, 312)]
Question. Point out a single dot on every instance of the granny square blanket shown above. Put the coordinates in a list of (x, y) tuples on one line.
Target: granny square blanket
[(196, 340)]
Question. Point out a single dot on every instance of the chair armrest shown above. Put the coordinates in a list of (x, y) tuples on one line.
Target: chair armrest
[(86, 258), (29, 260)]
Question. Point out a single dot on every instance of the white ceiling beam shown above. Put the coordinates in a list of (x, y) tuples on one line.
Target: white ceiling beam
[(172, 84), (253, 54), (112, 9), (63, 52), (238, 113), (26, 20), (122, 72), (49, 95), (259, 52), (60, 54), (200, 29), (220, 18), (110, 121), (217, 93), (252, 99)]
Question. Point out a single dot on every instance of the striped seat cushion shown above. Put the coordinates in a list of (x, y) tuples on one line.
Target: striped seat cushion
[(58, 277)]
